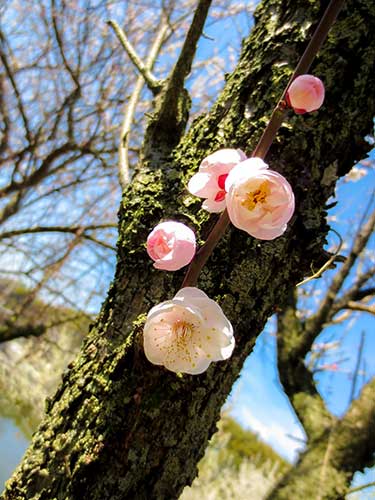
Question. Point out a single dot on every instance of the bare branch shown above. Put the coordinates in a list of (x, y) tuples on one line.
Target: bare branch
[(152, 83), (326, 265), (360, 488), (356, 369), (11, 331), (55, 229), (182, 67), (60, 44), (315, 323), (124, 166), (357, 306), (173, 103), (9, 73)]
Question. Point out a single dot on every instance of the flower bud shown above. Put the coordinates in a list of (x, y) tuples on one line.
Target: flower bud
[(171, 245), (305, 94)]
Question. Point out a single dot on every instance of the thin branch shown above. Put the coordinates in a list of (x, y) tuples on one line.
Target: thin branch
[(11, 331), (360, 488), (357, 306), (267, 138), (356, 370), (98, 242), (354, 293), (151, 81), (55, 229), (184, 62), (326, 265), (40, 173), (124, 166), (302, 67), (173, 103), (11, 77), (316, 322), (60, 44)]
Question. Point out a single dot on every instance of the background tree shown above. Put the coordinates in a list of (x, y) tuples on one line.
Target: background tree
[(332, 455), (114, 428)]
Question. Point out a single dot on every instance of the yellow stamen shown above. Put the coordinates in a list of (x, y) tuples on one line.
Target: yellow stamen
[(182, 329), (257, 196)]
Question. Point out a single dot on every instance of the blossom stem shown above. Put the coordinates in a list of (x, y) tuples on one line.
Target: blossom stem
[(302, 67), (268, 136)]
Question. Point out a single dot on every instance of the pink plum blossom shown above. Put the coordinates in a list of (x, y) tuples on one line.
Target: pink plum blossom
[(259, 200), (305, 94), (171, 245), (209, 182), (187, 333)]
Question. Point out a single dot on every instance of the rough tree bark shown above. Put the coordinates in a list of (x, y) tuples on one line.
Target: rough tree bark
[(119, 427)]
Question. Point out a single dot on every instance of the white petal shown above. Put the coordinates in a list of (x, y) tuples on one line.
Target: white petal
[(190, 292), (203, 185), (160, 308), (223, 156), (157, 340), (244, 171), (213, 206)]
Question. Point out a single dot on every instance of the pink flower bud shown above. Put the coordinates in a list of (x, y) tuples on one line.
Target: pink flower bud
[(209, 182), (305, 94), (171, 245), (259, 200)]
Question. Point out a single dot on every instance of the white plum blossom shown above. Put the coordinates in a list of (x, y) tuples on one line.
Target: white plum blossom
[(259, 200), (209, 182), (187, 333)]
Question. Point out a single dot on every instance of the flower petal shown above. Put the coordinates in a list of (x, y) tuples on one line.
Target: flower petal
[(203, 185), (213, 206), (259, 200)]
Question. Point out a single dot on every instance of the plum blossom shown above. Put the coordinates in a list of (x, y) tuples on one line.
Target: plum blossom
[(187, 333), (305, 94), (209, 182), (171, 245), (259, 200)]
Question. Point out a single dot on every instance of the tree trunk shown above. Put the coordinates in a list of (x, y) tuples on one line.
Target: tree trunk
[(325, 470), (335, 448), (121, 428)]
